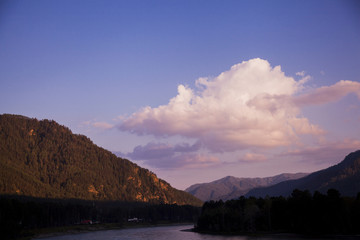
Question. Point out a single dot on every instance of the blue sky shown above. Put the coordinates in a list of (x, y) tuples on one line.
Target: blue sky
[(94, 65)]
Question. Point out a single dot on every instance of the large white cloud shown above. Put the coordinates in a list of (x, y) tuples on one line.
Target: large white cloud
[(250, 105)]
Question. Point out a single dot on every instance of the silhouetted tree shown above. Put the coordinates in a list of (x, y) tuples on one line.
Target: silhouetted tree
[(299, 213)]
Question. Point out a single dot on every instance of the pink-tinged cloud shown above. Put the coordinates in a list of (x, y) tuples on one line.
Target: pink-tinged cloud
[(197, 161), (102, 125), (328, 94), (167, 156), (253, 157), (250, 105)]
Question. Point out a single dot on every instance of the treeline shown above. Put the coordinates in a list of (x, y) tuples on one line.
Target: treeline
[(20, 215), (300, 213)]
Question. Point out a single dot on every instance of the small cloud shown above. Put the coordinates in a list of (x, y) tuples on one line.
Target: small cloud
[(120, 118), (86, 123), (304, 79), (194, 161), (102, 125), (322, 72), (301, 74), (96, 124), (151, 151), (185, 147), (253, 157)]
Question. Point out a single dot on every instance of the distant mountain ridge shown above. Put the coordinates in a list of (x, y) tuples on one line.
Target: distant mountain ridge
[(345, 177), (45, 159), (232, 187)]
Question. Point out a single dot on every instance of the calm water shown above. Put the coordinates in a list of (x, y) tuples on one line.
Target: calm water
[(153, 233)]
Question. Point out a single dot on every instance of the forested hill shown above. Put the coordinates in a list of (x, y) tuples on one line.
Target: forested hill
[(232, 187), (45, 159), (345, 177)]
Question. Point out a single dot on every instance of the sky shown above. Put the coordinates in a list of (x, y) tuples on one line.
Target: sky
[(192, 90)]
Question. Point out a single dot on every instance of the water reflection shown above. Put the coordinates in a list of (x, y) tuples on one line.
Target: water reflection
[(154, 233)]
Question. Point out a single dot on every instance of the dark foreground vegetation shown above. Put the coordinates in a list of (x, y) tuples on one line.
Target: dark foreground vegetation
[(302, 213), (23, 216)]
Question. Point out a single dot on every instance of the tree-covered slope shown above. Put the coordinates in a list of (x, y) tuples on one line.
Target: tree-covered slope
[(345, 177), (45, 159)]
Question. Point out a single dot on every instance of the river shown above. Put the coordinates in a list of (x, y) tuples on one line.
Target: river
[(156, 233)]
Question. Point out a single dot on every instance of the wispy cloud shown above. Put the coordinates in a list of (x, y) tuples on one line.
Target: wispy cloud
[(102, 125), (97, 124), (302, 73), (328, 94), (253, 157)]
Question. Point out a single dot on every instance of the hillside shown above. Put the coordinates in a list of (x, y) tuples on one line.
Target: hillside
[(345, 177), (45, 159), (231, 187)]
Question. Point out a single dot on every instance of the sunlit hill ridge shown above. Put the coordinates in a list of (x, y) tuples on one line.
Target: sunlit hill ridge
[(45, 159)]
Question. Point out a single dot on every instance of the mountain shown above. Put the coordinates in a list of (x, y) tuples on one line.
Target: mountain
[(345, 177), (45, 159), (231, 187)]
